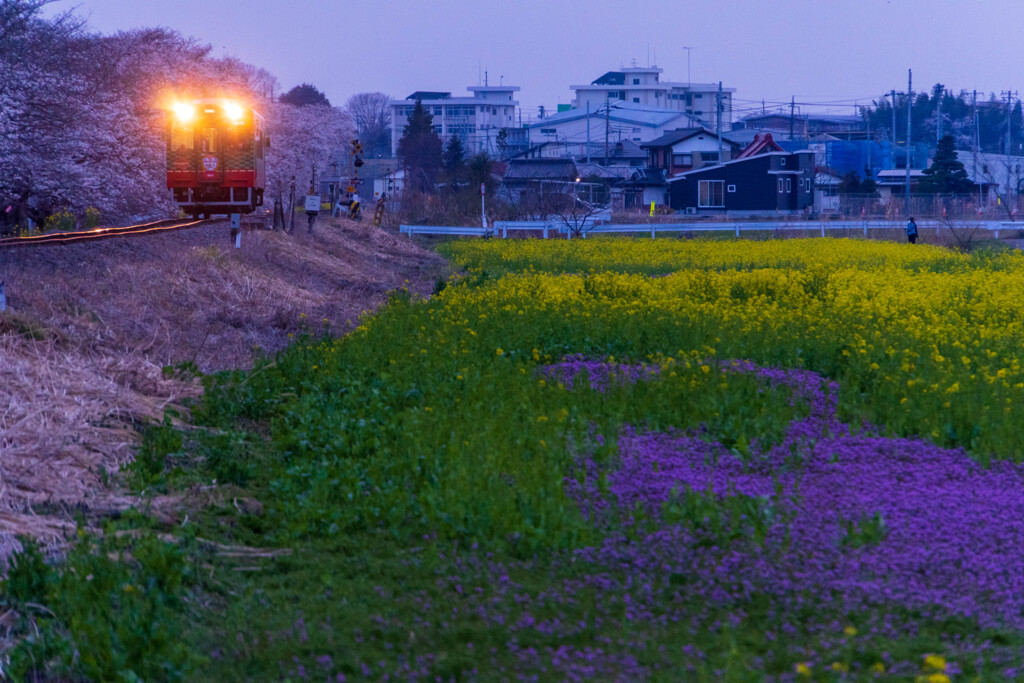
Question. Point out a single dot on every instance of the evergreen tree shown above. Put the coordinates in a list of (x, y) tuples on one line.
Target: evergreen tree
[(303, 96), (480, 167), (850, 183), (420, 148), (946, 175), (454, 159), (868, 185)]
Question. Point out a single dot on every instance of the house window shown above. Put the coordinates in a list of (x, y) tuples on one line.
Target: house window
[(637, 100), (782, 161), (437, 111), (789, 184), (782, 185), (636, 130), (731, 188), (636, 81), (709, 156), (709, 193), (682, 160), (547, 131)]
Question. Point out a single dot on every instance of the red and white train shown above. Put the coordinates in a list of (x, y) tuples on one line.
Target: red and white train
[(216, 157)]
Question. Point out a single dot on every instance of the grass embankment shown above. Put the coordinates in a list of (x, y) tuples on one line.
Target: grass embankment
[(442, 493)]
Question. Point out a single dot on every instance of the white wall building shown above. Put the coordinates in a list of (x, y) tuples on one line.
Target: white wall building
[(638, 123), (476, 119), (643, 85)]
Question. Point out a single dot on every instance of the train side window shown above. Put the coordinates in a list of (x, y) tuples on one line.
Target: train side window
[(260, 141), (210, 143), (182, 139)]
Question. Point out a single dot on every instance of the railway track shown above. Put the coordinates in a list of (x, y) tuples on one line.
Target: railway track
[(104, 233)]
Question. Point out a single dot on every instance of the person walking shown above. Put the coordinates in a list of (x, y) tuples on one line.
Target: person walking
[(912, 231)]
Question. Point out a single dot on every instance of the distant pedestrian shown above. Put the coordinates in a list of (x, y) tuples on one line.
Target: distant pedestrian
[(912, 231)]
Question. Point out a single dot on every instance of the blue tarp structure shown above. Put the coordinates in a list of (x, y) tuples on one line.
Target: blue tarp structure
[(844, 156)]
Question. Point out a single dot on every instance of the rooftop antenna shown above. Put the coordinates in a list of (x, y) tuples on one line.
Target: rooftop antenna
[(648, 55), (485, 77)]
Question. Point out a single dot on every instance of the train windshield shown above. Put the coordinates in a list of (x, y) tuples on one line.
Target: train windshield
[(210, 143), (182, 139)]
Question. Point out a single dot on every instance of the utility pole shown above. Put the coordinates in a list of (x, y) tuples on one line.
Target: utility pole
[(938, 116), (607, 123), (792, 106), (688, 68), (1009, 137), (910, 109), (977, 148), (718, 122), (588, 132), (893, 94)]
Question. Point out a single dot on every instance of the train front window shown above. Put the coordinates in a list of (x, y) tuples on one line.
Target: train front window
[(182, 139), (210, 145)]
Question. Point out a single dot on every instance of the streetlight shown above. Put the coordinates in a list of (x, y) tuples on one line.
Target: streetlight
[(687, 66)]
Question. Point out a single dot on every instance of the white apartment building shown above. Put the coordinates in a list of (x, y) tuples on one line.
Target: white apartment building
[(643, 85), (476, 119)]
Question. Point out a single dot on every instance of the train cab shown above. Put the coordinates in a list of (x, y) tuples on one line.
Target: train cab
[(216, 157)]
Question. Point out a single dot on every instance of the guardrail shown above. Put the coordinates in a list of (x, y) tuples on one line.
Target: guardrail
[(736, 227), (411, 230)]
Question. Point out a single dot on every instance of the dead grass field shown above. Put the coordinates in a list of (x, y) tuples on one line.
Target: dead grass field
[(89, 328)]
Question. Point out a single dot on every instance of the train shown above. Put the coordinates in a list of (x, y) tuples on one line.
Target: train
[(216, 157)]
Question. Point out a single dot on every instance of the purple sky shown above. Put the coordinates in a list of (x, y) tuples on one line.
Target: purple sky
[(821, 51)]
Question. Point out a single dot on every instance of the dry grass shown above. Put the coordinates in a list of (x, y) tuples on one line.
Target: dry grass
[(89, 328)]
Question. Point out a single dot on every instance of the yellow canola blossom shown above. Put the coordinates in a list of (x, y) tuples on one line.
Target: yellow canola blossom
[(931, 338)]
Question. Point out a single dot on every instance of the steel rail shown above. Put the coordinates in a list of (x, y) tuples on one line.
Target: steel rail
[(167, 225)]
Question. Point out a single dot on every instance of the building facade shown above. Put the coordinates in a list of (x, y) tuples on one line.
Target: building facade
[(688, 149), (773, 183), (623, 121), (477, 119), (643, 85)]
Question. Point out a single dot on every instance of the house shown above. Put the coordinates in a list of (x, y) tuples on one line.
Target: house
[(893, 182), (625, 153), (538, 177), (771, 183), (643, 86), (687, 149), (645, 186), (762, 143), (478, 120), (840, 126), (826, 189), (622, 120), (993, 175)]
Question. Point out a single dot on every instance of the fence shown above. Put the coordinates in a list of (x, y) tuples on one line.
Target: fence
[(502, 228)]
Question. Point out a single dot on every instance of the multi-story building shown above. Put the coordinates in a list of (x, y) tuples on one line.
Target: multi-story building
[(643, 85), (477, 119)]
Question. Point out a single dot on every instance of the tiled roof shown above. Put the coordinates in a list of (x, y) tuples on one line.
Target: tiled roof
[(540, 169)]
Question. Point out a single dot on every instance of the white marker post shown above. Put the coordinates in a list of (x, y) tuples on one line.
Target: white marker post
[(236, 229), (483, 208)]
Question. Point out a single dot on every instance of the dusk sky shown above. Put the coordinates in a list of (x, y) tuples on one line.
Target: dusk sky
[(833, 53)]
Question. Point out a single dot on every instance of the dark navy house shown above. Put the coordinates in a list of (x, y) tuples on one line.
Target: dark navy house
[(771, 183)]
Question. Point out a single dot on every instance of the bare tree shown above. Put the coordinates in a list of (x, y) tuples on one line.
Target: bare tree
[(372, 117)]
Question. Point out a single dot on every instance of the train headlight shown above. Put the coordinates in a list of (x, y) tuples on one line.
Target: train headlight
[(184, 112), (234, 112)]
